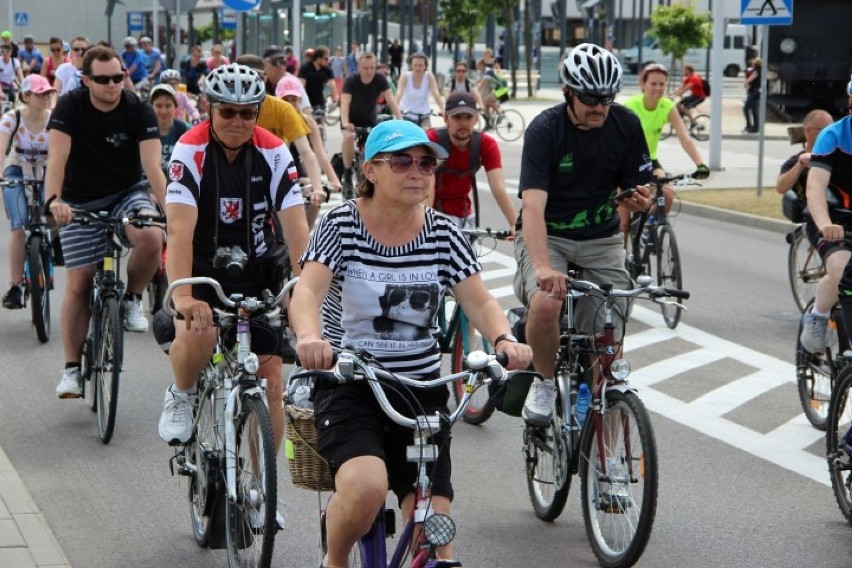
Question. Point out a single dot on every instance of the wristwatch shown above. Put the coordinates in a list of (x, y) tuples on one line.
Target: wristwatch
[(505, 337)]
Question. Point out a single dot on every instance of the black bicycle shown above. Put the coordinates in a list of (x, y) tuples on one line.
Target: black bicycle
[(103, 350), (38, 256), (652, 247)]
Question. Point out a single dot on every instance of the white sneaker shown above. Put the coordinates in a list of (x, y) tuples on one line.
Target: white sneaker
[(176, 419), (134, 319), (71, 384), (538, 408)]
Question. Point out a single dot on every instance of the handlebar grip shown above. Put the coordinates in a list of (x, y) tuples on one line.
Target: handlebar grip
[(502, 358), (677, 293)]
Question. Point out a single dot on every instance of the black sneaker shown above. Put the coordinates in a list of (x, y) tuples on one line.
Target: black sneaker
[(13, 299)]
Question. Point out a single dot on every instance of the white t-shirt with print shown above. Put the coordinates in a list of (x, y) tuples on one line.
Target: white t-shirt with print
[(29, 149), (7, 72)]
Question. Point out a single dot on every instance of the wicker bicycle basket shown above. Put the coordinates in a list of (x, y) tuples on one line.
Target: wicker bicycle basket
[(308, 469)]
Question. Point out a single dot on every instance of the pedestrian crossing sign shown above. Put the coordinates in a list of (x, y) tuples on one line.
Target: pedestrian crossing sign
[(766, 12), (22, 19)]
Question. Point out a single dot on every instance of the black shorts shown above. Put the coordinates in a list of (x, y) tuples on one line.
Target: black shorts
[(350, 423), (691, 101)]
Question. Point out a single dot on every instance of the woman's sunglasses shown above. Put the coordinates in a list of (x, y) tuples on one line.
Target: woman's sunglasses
[(420, 300), (105, 79), (245, 113), (401, 163), (594, 100)]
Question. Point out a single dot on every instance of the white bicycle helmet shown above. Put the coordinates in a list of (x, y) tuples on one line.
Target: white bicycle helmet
[(590, 69), (234, 83), (170, 75), (130, 41)]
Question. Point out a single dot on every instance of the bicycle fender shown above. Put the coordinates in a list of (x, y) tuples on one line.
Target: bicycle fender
[(622, 387)]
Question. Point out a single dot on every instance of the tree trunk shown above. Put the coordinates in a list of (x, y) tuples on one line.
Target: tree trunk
[(528, 48)]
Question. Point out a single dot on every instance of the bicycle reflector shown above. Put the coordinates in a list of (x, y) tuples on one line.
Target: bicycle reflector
[(439, 530), (509, 396)]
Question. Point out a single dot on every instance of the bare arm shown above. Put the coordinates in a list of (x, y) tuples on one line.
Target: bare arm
[(181, 230), (5, 140), (436, 93), (392, 103), (400, 86), (345, 101), (497, 183), (295, 226), (683, 136), (319, 152), (309, 160), (818, 179), (149, 154), (310, 291), (788, 179), (332, 84), (59, 144)]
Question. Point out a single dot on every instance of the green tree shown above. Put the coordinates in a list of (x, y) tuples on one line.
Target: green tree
[(506, 16), (465, 19), (678, 28)]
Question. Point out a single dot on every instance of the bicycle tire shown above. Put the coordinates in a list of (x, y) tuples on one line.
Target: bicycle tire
[(700, 127), (510, 125), (838, 456), (332, 115), (628, 510), (107, 369), (203, 451), (804, 267), (479, 408), (38, 259), (252, 545), (547, 468), (815, 376), (669, 272), (89, 357)]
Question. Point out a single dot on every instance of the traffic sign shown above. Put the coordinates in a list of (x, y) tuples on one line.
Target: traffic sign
[(22, 19), (227, 19), (135, 21), (766, 12), (242, 5)]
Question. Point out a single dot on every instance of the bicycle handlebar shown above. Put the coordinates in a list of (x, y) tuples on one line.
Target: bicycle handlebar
[(251, 305), (136, 218), (351, 366), (501, 234), (644, 288)]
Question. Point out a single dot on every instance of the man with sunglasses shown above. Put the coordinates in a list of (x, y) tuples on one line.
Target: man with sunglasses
[(102, 138), (315, 75), (576, 157), (229, 181), (30, 56), (69, 76)]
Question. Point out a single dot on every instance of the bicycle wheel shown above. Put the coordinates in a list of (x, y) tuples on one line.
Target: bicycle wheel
[(203, 451), (669, 273), (510, 125), (839, 444), (815, 376), (700, 128), (38, 259), (107, 368), (479, 408), (619, 506), (805, 268), (548, 470), (89, 358), (667, 131), (250, 521), (332, 115)]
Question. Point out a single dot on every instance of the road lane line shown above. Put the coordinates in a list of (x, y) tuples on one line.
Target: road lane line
[(724, 399)]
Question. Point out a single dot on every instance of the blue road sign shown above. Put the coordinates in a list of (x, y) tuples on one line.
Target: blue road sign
[(242, 5), (227, 19), (766, 12), (22, 19), (135, 21)]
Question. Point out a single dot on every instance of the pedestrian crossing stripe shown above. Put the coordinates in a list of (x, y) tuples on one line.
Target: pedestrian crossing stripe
[(763, 12)]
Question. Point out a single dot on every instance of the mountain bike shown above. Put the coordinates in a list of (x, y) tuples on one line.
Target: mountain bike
[(509, 124), (697, 126), (838, 438), (38, 256), (458, 338), (613, 449), (230, 459), (652, 248), (428, 530), (103, 350), (804, 266)]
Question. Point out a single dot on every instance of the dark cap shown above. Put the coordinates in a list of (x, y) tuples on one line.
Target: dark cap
[(459, 102), (273, 52)]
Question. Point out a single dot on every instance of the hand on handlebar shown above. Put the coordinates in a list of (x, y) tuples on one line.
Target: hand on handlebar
[(519, 354), (197, 314), (315, 354), (552, 282), (701, 172), (61, 212), (832, 232), (639, 201)]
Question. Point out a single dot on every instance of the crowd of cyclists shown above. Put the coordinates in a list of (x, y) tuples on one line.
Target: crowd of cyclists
[(226, 149)]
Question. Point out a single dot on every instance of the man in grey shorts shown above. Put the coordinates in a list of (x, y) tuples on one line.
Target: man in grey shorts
[(576, 156), (101, 140)]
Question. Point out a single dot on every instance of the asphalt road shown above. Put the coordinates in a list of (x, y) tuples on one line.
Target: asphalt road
[(737, 488)]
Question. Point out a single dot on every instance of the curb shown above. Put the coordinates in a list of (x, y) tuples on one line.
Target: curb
[(728, 216)]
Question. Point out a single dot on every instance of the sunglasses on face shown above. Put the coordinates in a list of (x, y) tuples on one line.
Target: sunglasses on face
[(55, 49), (461, 70), (105, 79), (419, 300), (594, 100), (79, 49), (401, 163), (244, 113)]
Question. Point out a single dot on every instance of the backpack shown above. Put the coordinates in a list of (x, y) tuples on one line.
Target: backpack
[(475, 153), (706, 85), (453, 85)]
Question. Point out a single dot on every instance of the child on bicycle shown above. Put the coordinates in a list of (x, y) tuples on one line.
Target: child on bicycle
[(23, 134)]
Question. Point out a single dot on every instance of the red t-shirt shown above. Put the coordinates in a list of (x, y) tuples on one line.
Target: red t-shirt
[(696, 86), (452, 192)]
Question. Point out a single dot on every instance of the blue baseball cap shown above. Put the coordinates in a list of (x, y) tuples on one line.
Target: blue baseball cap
[(396, 135)]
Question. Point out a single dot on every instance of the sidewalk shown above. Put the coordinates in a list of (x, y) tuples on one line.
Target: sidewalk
[(26, 540)]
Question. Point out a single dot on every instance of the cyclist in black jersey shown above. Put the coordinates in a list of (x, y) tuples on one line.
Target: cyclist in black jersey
[(576, 156), (228, 179)]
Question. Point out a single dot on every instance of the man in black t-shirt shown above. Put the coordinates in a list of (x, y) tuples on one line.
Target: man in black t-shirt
[(395, 52), (101, 140), (358, 108), (576, 156), (315, 74)]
